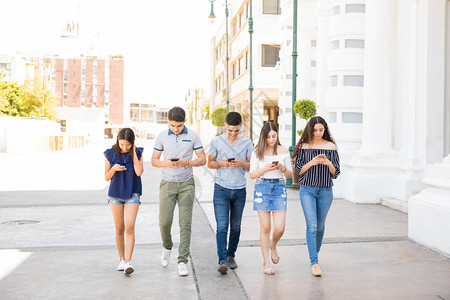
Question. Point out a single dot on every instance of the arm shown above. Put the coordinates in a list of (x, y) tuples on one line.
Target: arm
[(138, 163), (330, 166), (200, 161), (214, 164), (313, 162), (240, 163), (109, 172), (260, 172), (286, 172), (157, 163), (201, 158)]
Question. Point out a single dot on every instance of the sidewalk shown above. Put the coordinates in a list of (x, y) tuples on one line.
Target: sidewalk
[(70, 253)]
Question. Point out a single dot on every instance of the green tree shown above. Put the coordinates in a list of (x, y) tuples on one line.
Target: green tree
[(18, 101), (10, 100), (304, 109), (218, 117)]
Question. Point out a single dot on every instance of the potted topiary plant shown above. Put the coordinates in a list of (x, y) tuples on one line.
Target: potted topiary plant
[(218, 119), (304, 109)]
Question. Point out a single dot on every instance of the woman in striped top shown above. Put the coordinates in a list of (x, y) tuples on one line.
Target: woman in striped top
[(317, 163)]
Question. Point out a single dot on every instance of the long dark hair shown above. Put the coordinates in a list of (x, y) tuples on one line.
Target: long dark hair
[(124, 134), (308, 134), (261, 147)]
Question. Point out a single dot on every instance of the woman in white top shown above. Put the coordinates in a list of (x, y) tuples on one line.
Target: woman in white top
[(269, 163)]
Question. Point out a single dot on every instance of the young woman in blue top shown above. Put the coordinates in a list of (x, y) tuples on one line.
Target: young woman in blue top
[(124, 167), (317, 163)]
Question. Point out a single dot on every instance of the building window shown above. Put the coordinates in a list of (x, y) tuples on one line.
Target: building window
[(271, 7), (313, 84), (354, 43), (234, 28), (353, 80), (145, 115), (351, 117), (355, 8), (336, 10), (241, 18), (332, 117), (313, 43), (335, 45), (270, 55), (313, 63), (242, 64), (333, 80), (287, 127), (246, 60), (134, 115)]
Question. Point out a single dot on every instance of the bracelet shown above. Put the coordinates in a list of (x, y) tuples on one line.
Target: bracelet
[(260, 175), (285, 169), (187, 164)]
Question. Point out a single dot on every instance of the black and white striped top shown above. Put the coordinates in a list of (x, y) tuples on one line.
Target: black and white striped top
[(318, 175)]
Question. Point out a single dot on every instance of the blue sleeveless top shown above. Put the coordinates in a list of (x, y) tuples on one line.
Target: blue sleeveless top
[(124, 183)]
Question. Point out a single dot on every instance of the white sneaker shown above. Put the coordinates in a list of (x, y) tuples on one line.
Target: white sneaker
[(182, 269), (128, 269), (165, 257), (121, 265)]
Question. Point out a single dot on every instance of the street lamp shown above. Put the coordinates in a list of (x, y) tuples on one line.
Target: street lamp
[(212, 17), (250, 86), (294, 82), (250, 31)]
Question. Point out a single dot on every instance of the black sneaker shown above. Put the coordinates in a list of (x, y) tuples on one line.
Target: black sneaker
[(232, 263), (223, 268)]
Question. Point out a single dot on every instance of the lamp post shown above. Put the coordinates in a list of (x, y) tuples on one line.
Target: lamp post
[(44, 79), (212, 17), (250, 86), (294, 81)]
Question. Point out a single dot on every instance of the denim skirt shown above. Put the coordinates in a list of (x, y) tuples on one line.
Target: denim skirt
[(270, 195)]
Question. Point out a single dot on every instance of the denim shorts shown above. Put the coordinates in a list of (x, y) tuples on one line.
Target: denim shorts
[(270, 195), (135, 199)]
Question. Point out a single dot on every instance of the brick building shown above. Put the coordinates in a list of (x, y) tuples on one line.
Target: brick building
[(91, 82)]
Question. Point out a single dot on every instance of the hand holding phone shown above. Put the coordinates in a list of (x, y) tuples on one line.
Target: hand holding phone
[(174, 159), (119, 167), (231, 160), (275, 163)]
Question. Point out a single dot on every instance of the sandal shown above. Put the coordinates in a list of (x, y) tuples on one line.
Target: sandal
[(268, 270), (274, 255)]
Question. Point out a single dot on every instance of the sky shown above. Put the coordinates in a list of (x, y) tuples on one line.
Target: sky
[(166, 44)]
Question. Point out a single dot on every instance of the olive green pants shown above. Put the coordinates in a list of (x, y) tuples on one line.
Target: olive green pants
[(169, 194)]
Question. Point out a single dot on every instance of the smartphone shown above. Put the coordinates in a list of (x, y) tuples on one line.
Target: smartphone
[(174, 159), (230, 159), (275, 163)]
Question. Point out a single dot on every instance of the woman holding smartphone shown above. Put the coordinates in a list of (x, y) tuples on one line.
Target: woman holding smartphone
[(317, 163), (269, 163), (124, 167)]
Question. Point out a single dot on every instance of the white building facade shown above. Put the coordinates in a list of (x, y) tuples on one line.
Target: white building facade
[(266, 47), (379, 72)]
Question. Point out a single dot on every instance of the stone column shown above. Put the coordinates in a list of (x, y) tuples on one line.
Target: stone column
[(379, 71), (429, 211), (324, 14)]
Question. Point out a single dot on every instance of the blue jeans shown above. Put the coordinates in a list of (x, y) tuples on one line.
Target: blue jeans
[(228, 207), (315, 202)]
